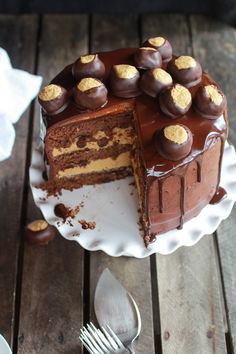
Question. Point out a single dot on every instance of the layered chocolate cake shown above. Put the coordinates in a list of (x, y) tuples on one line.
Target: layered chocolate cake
[(143, 112)]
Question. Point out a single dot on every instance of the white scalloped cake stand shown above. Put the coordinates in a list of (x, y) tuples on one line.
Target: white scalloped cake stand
[(113, 206)]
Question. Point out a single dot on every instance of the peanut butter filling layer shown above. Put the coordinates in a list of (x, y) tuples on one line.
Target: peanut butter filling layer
[(120, 136), (100, 165)]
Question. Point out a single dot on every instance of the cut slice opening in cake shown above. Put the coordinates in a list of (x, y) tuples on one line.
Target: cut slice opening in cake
[(87, 153)]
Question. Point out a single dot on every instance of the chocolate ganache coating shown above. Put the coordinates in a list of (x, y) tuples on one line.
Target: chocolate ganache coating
[(90, 93), (174, 142), (185, 70), (162, 45), (175, 101), (153, 81), (124, 81), (147, 58), (88, 66), (209, 101), (53, 99), (208, 144)]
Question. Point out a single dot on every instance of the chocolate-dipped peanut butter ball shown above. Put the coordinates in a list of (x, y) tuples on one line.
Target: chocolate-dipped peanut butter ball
[(53, 99), (90, 93), (154, 81), (186, 70), (209, 101), (147, 58), (174, 142), (124, 81), (175, 101), (88, 66), (162, 45), (39, 232)]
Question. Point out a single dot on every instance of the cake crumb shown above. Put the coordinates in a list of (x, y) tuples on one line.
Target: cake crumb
[(69, 222), (87, 224), (76, 234), (43, 199), (64, 212)]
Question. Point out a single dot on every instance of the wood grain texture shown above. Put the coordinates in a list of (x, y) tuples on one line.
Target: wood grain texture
[(215, 45), (52, 283), (190, 307), (227, 246), (110, 33), (189, 297), (18, 37)]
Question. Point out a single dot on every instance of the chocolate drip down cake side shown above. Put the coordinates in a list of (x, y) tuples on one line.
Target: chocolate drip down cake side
[(141, 112)]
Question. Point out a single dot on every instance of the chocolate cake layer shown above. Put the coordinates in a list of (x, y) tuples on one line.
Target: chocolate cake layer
[(55, 186), (82, 131), (171, 192)]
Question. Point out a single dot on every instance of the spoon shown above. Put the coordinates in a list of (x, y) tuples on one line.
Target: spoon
[(115, 307)]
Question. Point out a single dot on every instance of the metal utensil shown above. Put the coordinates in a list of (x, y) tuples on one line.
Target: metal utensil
[(101, 342), (115, 307)]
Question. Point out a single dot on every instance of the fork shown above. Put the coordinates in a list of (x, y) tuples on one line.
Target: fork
[(101, 342)]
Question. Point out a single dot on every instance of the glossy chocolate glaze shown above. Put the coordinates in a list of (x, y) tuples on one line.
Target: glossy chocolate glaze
[(219, 195), (149, 119)]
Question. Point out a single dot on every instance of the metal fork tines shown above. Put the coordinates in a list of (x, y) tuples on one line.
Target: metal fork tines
[(101, 342)]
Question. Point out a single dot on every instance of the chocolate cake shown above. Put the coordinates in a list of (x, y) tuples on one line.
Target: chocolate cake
[(139, 111)]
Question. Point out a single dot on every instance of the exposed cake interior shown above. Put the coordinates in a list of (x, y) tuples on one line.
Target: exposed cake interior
[(90, 151)]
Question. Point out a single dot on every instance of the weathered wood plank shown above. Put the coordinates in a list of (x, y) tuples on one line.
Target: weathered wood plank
[(190, 306), (18, 37), (227, 245), (52, 285), (214, 43), (111, 32)]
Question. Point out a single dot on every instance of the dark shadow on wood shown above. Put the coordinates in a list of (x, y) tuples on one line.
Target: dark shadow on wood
[(155, 306), (224, 10), (228, 335)]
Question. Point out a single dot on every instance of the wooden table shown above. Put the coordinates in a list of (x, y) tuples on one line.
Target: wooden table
[(187, 299)]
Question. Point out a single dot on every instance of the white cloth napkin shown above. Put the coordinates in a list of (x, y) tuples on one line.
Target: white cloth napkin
[(17, 89)]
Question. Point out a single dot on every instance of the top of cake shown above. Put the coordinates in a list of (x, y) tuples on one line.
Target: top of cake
[(179, 109)]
